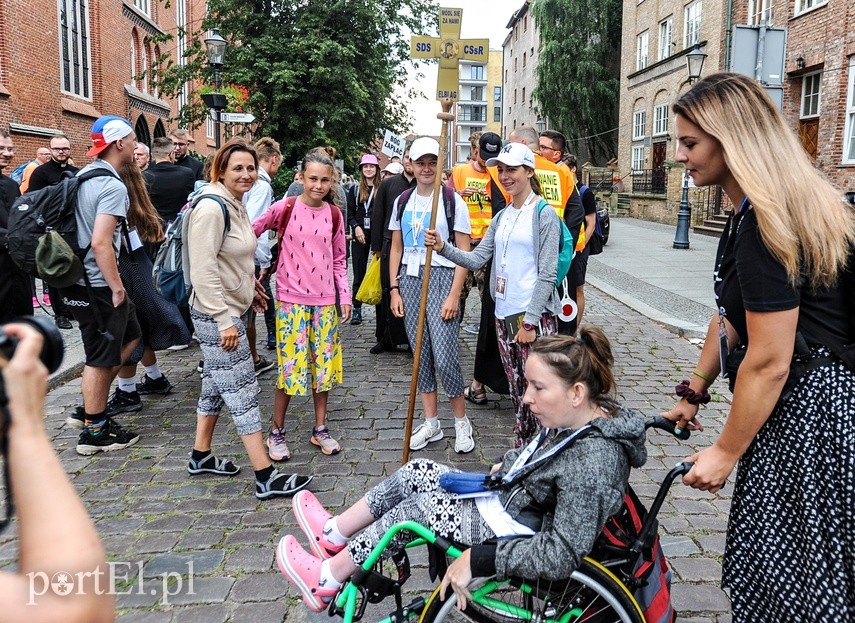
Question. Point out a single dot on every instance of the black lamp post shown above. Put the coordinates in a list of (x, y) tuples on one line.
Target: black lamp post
[(216, 49), (694, 65)]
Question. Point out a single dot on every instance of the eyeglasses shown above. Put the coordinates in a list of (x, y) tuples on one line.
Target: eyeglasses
[(179, 144), (60, 148), (543, 147)]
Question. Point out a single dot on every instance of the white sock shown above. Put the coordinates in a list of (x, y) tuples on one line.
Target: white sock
[(460, 421), (153, 371), (127, 385), (327, 580), (332, 533), (433, 422)]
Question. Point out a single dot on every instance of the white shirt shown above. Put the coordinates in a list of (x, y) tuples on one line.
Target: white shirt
[(515, 258), (257, 200), (416, 219)]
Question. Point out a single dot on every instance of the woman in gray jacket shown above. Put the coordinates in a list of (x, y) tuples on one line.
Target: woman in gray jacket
[(523, 240), (555, 497)]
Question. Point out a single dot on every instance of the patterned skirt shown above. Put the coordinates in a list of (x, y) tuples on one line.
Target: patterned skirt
[(790, 553)]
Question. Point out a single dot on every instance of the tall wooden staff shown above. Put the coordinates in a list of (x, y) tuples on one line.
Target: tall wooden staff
[(447, 48)]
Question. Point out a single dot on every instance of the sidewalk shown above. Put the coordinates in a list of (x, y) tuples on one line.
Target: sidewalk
[(640, 268)]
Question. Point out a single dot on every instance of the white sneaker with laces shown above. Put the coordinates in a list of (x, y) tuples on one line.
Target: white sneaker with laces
[(424, 434), (463, 441)]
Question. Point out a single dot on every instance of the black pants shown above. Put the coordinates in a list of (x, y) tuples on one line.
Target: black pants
[(488, 362), (389, 330), (15, 299), (359, 255)]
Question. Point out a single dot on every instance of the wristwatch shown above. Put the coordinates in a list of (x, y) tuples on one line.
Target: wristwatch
[(528, 326)]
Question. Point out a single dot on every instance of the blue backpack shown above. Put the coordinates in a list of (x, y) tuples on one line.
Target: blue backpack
[(17, 174), (565, 245)]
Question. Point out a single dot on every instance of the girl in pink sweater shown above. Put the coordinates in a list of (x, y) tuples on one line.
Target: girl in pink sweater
[(312, 270)]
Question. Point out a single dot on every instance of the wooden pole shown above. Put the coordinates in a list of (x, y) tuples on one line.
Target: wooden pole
[(445, 116)]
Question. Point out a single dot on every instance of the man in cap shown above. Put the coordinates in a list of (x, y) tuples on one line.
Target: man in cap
[(14, 283), (393, 168), (108, 323)]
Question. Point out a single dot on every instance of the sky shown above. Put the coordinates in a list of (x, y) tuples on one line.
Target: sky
[(482, 19)]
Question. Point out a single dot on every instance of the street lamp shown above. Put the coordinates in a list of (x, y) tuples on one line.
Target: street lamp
[(540, 124), (215, 47), (694, 65)]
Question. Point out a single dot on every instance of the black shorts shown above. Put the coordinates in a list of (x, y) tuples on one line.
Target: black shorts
[(120, 326), (578, 268)]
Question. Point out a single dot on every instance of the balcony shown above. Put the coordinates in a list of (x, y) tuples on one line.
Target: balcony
[(649, 181)]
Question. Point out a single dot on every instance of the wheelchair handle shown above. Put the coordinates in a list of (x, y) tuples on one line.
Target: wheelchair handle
[(669, 426)]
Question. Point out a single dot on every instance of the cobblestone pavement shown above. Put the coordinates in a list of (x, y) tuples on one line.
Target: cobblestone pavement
[(156, 520)]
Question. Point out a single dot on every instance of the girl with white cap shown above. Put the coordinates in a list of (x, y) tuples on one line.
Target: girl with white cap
[(360, 200), (523, 241), (408, 222)]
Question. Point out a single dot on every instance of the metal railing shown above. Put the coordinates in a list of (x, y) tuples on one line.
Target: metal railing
[(649, 181), (600, 180), (709, 202)]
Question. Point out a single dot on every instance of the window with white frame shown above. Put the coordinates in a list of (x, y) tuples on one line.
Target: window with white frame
[(181, 46), (692, 24), (143, 5), (210, 131), (637, 159), (665, 31), (74, 47), (807, 5), (758, 11), (849, 132), (660, 120), (642, 47), (810, 95), (639, 123)]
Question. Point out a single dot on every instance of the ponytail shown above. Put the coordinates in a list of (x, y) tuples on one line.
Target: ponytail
[(584, 359)]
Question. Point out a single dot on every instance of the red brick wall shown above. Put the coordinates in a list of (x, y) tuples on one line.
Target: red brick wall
[(30, 72)]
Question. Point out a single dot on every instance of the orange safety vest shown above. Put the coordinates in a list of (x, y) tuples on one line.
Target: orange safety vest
[(480, 204), (556, 183)]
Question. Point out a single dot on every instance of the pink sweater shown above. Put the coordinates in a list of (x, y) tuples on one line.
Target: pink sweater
[(311, 268)]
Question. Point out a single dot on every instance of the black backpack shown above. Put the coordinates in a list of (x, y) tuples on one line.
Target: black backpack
[(448, 202), (36, 213), (596, 238)]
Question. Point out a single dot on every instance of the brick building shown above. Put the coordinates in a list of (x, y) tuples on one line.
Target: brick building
[(82, 59)]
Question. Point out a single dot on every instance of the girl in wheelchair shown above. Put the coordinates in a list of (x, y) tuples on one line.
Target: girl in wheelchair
[(547, 504)]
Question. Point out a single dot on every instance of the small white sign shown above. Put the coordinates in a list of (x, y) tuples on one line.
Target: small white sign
[(393, 144), (236, 117)]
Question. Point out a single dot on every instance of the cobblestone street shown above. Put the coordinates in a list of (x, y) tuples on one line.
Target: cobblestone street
[(211, 531)]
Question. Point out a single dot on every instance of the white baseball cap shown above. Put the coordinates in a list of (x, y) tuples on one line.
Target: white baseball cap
[(514, 155), (394, 168), (424, 146)]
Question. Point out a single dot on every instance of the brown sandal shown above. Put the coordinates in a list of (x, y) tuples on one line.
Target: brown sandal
[(475, 396)]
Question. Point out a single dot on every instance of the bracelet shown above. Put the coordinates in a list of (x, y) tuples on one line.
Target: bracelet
[(697, 372), (692, 397), (394, 288)]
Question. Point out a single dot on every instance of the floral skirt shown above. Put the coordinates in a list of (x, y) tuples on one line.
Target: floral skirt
[(308, 348)]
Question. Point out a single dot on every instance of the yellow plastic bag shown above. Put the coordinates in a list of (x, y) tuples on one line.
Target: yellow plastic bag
[(370, 291)]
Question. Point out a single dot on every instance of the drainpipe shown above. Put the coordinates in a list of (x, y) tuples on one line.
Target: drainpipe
[(727, 35)]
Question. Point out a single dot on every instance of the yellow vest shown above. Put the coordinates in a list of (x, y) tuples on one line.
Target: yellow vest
[(556, 183), (479, 204)]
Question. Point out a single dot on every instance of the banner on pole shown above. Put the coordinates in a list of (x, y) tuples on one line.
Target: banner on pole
[(393, 144)]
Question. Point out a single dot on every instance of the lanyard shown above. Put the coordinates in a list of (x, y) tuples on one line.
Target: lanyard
[(508, 229), (522, 460), (417, 220), (368, 203)]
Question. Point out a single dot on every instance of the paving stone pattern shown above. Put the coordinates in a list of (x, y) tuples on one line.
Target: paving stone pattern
[(201, 548)]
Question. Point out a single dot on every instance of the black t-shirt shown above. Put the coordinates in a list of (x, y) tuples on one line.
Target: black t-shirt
[(748, 277)]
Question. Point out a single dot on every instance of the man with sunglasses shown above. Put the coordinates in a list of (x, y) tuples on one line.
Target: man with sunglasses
[(53, 172)]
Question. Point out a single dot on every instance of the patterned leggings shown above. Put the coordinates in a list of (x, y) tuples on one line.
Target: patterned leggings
[(513, 359), (440, 355), (413, 494), (228, 377)]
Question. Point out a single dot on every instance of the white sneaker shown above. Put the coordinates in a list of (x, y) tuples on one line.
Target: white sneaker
[(425, 434), (463, 441)]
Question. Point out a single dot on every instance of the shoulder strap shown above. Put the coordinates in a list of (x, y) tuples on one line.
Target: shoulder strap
[(450, 203), (286, 216), (582, 189), (403, 198), (227, 219), (336, 217), (96, 172)]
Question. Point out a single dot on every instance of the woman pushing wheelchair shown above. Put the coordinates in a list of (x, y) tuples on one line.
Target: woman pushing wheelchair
[(546, 504)]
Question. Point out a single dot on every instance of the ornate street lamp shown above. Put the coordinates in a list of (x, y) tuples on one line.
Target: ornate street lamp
[(694, 65), (215, 47)]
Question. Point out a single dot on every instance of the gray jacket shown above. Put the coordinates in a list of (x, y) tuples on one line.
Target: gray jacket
[(584, 484), (545, 296)]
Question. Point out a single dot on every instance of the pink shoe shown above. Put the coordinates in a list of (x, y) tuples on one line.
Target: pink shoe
[(35, 302), (304, 571), (312, 517), (46, 299)]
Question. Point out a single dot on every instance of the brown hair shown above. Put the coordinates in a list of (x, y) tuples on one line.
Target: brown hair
[(222, 157), (584, 359), (206, 167), (319, 156), (535, 182), (363, 183), (141, 212), (266, 148)]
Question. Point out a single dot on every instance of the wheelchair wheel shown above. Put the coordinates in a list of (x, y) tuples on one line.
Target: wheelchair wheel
[(592, 595)]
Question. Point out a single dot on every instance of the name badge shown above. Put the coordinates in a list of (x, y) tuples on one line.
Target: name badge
[(501, 286), (413, 262), (366, 223), (134, 237)]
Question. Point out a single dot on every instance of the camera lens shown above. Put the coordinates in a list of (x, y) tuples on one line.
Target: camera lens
[(53, 347)]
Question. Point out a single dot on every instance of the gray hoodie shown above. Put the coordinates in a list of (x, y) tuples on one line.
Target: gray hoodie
[(584, 484)]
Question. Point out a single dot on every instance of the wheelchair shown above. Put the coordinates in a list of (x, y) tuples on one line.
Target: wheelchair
[(603, 589)]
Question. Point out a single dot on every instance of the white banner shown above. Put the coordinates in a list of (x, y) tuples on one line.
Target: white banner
[(393, 144)]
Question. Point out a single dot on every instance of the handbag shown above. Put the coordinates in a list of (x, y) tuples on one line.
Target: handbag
[(370, 291)]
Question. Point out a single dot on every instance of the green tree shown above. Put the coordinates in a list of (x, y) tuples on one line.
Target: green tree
[(578, 73), (317, 71)]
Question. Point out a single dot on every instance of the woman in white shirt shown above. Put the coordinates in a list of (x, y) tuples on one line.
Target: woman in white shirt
[(439, 356), (523, 241)]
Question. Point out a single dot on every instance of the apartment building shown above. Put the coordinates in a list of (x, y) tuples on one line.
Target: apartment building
[(479, 108)]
